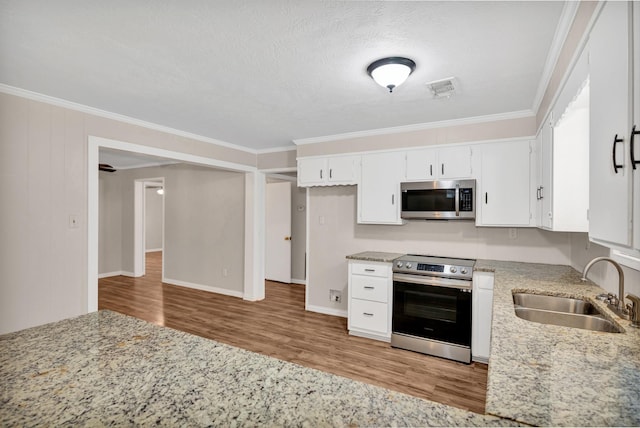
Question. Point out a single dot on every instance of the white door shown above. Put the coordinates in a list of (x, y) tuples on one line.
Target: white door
[(278, 232), (379, 188)]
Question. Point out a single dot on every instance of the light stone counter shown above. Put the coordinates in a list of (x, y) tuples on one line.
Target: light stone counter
[(375, 256), (109, 369), (549, 375)]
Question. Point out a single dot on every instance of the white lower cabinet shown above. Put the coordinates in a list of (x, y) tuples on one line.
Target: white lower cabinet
[(481, 316), (370, 288)]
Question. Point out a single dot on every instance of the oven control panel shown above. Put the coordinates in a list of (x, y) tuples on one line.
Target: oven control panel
[(434, 266)]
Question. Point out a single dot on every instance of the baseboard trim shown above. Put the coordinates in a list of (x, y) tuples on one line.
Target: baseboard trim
[(153, 250), (327, 311), (109, 274), (115, 273), (299, 281), (203, 287)]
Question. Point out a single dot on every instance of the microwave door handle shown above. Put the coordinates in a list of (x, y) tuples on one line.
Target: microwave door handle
[(457, 200)]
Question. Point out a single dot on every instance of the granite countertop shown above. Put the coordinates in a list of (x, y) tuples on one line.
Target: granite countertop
[(105, 368), (549, 375), (375, 256)]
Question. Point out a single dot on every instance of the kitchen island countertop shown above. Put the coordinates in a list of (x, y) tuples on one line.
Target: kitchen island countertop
[(105, 368), (543, 374)]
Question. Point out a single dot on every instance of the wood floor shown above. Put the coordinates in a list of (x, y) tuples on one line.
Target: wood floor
[(279, 326)]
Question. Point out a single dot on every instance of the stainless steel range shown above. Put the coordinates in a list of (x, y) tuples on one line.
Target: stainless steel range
[(432, 306)]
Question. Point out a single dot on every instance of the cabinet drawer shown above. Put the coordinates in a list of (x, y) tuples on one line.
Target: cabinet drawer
[(369, 288), (370, 269), (368, 315)]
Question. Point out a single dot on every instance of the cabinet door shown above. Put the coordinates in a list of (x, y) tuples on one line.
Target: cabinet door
[(379, 188), (504, 196), (342, 170), (454, 162), (311, 171), (610, 190), (636, 122), (421, 164), (545, 192)]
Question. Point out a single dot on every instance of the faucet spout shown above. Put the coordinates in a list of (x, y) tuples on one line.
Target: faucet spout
[(620, 306)]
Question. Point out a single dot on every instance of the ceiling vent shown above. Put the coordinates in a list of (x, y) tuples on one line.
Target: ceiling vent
[(442, 88)]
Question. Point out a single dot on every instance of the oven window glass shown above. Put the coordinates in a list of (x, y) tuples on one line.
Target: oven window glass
[(432, 312), (429, 200), (433, 306)]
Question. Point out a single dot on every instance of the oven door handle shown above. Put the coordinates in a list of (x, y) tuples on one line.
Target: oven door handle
[(429, 280)]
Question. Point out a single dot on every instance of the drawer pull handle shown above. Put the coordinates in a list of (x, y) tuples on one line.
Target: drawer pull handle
[(369, 270), (367, 314), (368, 287)]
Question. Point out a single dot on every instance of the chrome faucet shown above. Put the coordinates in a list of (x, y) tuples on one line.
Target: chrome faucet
[(618, 303), (634, 310)]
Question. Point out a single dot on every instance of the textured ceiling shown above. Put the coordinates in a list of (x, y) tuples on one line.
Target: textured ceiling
[(262, 73)]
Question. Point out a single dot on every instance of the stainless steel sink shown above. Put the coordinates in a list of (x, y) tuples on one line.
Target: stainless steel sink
[(562, 311), (554, 303)]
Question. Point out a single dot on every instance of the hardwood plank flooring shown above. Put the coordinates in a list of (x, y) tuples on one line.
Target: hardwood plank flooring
[(279, 326)]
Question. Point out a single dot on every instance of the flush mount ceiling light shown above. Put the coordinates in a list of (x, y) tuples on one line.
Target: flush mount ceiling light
[(391, 72)]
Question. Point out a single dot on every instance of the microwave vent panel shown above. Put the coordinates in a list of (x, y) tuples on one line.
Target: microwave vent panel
[(442, 88)]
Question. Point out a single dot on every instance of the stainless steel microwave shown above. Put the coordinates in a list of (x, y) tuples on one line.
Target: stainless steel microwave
[(439, 200)]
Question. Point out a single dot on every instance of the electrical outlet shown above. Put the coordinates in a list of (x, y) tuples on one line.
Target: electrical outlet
[(225, 272), (513, 233), (335, 296)]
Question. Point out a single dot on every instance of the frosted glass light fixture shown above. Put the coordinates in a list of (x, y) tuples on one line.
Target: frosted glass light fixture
[(391, 72)]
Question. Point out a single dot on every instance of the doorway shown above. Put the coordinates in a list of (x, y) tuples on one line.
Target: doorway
[(148, 222), (253, 258), (286, 228)]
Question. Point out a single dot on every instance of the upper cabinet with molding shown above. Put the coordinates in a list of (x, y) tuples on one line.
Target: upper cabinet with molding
[(612, 179), (438, 163), (504, 186), (328, 171), (562, 157)]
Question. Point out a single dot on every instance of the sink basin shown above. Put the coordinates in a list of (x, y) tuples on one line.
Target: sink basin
[(555, 303), (566, 319), (562, 311)]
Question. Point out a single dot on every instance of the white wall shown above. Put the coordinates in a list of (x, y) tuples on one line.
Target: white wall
[(298, 233), (602, 273), (153, 220), (43, 181), (340, 236), (204, 224), (110, 224)]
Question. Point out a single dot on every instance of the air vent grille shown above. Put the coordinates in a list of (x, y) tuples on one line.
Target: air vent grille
[(442, 88)]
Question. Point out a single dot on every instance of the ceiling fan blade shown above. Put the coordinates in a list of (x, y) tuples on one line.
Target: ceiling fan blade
[(106, 167)]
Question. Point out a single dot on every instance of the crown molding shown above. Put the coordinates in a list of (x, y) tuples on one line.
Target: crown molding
[(562, 31), (276, 150), (417, 127), (35, 96)]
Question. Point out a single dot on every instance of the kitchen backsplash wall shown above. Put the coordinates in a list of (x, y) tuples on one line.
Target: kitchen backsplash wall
[(333, 234), (602, 273)]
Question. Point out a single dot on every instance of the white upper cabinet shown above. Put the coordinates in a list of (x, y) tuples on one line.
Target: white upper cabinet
[(562, 153), (610, 172), (379, 188), (454, 162), (438, 163), (503, 199), (421, 164), (328, 171)]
